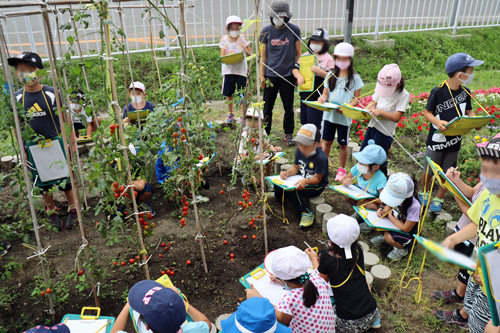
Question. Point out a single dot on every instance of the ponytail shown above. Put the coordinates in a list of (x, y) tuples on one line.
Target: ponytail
[(310, 295)]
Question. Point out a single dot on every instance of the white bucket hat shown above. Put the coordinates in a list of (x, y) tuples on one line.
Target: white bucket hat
[(287, 263), (254, 113), (343, 230), (399, 187), (233, 19), (344, 50)]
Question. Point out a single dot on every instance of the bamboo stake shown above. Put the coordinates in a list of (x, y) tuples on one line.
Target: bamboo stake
[(27, 179), (117, 110), (54, 73), (153, 56)]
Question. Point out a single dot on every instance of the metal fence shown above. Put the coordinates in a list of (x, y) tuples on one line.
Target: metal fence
[(205, 21)]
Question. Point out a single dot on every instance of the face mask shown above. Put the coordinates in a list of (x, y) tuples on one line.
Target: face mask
[(342, 64), (491, 184), (28, 78), (234, 33), (136, 99), (278, 22), (315, 47), (469, 78), (363, 169), (75, 107)]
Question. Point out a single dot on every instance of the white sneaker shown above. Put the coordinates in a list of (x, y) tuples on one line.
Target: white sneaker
[(397, 254)]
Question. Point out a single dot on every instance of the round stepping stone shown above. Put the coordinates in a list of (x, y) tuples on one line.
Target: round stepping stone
[(364, 246), (314, 202), (326, 217), (381, 275), (450, 227), (278, 163), (369, 278), (214, 329), (444, 217), (371, 259), (8, 162), (297, 113), (220, 318), (321, 210)]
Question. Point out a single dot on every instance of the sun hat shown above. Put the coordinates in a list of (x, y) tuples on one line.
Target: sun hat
[(490, 148), (343, 50), (287, 263), (308, 134), (371, 154), (459, 61), (137, 86), (343, 230), (387, 80), (254, 113), (280, 8), (26, 58), (59, 328), (256, 314), (319, 34), (399, 187), (233, 19), (162, 308)]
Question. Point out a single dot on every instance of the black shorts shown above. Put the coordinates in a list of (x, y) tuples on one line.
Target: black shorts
[(47, 188), (78, 126), (329, 130), (463, 275), (232, 82)]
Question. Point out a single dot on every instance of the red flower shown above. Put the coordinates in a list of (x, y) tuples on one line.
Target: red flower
[(420, 128), (416, 121), (361, 137), (424, 124)]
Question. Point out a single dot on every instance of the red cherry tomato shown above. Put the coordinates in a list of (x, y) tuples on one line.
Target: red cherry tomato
[(225, 242), (131, 261), (232, 255), (123, 263), (188, 262)]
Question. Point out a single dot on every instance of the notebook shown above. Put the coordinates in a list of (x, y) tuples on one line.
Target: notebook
[(489, 258), (463, 125), (371, 218), (352, 191)]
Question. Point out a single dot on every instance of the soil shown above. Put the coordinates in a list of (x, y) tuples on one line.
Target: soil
[(215, 293)]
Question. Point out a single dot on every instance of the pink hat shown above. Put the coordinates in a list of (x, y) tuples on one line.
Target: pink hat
[(387, 80)]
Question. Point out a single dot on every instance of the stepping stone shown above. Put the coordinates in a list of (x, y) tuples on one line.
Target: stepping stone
[(314, 202), (450, 227), (8, 162), (297, 113), (321, 210), (444, 217), (326, 217), (364, 246), (369, 279), (371, 259), (278, 163), (381, 275), (220, 318), (214, 329)]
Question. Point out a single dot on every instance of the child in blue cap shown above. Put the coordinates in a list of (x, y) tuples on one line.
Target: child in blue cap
[(59, 328), (157, 309), (447, 101), (368, 176)]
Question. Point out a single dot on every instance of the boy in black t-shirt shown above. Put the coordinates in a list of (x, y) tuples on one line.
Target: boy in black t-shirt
[(41, 114), (447, 101), (310, 163)]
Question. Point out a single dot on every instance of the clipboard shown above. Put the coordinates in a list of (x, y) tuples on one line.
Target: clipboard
[(49, 161), (327, 107), (352, 192), (138, 114), (287, 184), (276, 156), (489, 257), (379, 223), (87, 323), (356, 113), (447, 255), (232, 58), (446, 182), (463, 125), (306, 62), (205, 161), (84, 139)]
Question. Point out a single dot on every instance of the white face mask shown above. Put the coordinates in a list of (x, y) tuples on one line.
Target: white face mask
[(136, 99), (278, 22), (363, 169), (234, 33), (343, 64), (316, 47), (75, 107), (469, 78)]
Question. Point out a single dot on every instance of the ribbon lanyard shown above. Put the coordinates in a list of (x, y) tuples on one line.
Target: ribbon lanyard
[(352, 270), (48, 107)]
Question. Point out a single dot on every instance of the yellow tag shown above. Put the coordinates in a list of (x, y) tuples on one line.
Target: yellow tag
[(45, 143), (86, 317), (278, 181), (258, 273), (362, 211)]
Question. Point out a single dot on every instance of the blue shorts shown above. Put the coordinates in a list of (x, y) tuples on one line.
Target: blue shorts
[(380, 139), (329, 130), (231, 83)]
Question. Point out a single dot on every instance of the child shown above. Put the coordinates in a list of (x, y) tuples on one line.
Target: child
[(59, 328), (390, 102), (79, 116), (159, 309), (312, 164), (307, 307), (486, 226), (459, 316), (447, 101), (402, 208), (250, 139), (319, 45), (342, 84), (234, 75), (343, 266), (137, 93), (256, 314)]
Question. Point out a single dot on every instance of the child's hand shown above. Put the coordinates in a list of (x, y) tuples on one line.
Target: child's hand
[(477, 279), (346, 181), (301, 184), (321, 100), (441, 125), (252, 292), (375, 112), (283, 175), (453, 174), (300, 80), (276, 149), (262, 81), (311, 253), (316, 69), (383, 210)]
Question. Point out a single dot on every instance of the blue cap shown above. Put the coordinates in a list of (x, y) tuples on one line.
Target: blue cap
[(371, 154), (254, 315), (162, 308), (59, 328), (459, 61)]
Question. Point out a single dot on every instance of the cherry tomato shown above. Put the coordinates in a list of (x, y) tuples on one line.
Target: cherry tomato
[(183, 130), (232, 255), (123, 263), (163, 272), (115, 184), (225, 242), (253, 236), (115, 263), (160, 256), (131, 261), (244, 236), (221, 192), (163, 244), (188, 262), (48, 291), (80, 272), (175, 134), (112, 127)]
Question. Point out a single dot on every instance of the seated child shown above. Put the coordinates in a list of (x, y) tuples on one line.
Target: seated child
[(59, 328), (79, 116), (401, 206), (307, 307), (137, 93), (310, 163), (254, 315), (343, 266), (250, 139), (159, 309)]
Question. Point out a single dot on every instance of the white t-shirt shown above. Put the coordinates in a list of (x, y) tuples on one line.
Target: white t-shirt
[(78, 117), (239, 68), (398, 102)]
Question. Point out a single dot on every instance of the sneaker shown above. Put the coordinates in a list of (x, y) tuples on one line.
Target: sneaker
[(4, 247), (365, 228), (450, 317), (424, 197), (72, 219), (306, 220), (397, 254), (289, 140), (341, 172), (436, 205), (357, 217), (376, 324), (200, 199), (55, 221), (377, 240), (229, 119), (447, 297), (151, 210)]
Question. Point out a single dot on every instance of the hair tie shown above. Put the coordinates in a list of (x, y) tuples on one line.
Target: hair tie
[(303, 278)]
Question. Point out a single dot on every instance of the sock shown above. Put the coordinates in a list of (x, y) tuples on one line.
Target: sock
[(454, 292)]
